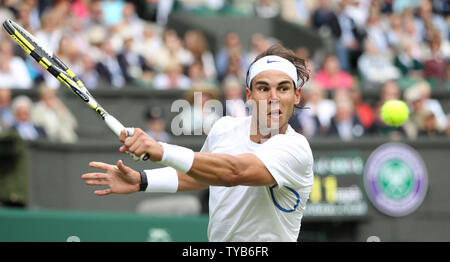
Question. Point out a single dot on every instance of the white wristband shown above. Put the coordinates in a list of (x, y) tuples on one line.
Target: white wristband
[(178, 157), (162, 180)]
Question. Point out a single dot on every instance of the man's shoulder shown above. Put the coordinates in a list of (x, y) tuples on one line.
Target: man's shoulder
[(291, 140)]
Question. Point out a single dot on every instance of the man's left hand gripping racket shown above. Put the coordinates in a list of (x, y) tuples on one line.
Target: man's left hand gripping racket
[(58, 69)]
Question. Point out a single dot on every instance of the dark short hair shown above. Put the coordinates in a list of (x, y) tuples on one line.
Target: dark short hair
[(281, 51)]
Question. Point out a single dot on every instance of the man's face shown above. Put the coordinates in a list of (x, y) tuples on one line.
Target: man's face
[(275, 97)]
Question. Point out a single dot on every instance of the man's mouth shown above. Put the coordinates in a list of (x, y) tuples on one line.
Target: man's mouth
[(275, 113)]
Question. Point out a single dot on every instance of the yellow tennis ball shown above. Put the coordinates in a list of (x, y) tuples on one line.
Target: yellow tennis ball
[(394, 112)]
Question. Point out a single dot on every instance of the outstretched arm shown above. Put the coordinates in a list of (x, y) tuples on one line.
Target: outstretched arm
[(121, 179), (207, 168)]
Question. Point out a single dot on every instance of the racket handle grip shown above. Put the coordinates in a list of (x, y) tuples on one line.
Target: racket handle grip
[(146, 156), (143, 157)]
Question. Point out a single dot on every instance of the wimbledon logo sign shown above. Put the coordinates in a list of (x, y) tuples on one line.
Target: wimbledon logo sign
[(395, 179)]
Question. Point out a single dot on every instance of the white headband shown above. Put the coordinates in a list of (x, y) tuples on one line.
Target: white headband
[(273, 62)]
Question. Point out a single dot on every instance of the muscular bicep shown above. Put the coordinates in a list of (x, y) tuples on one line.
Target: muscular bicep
[(228, 170), (253, 171)]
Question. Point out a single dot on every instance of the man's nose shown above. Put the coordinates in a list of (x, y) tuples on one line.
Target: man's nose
[(273, 96)]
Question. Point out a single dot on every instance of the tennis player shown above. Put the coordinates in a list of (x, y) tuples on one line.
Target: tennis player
[(258, 169)]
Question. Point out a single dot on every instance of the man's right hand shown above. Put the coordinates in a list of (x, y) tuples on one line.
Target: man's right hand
[(119, 179)]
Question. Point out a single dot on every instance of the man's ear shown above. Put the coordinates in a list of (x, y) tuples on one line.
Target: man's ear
[(298, 95), (248, 94)]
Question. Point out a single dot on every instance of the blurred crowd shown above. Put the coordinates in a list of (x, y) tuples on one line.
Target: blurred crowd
[(398, 47)]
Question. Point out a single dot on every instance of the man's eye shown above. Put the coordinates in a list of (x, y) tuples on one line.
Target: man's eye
[(263, 88)]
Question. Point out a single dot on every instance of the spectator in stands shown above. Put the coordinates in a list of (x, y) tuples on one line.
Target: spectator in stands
[(77, 33), (303, 120), (13, 71), (319, 108), (112, 11), (418, 111), (68, 52), (52, 115), (96, 15), (375, 30), (150, 45), (436, 64), (304, 53), (331, 76), (375, 67), (6, 114), (298, 11), (234, 98), (394, 30), (359, 11), (232, 47), (432, 105), (345, 123), (130, 23), (389, 90), (258, 44), (49, 34), (88, 71), (363, 110), (196, 73), (131, 63), (325, 20), (429, 125), (172, 52), (28, 15), (406, 63), (21, 107), (172, 78), (411, 36), (156, 124), (108, 66), (235, 62), (426, 16), (197, 44), (349, 45), (198, 120), (267, 8)]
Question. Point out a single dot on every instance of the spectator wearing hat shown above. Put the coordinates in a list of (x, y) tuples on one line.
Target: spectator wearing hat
[(156, 124)]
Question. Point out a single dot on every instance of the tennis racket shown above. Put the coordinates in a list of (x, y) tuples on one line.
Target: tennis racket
[(58, 69)]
